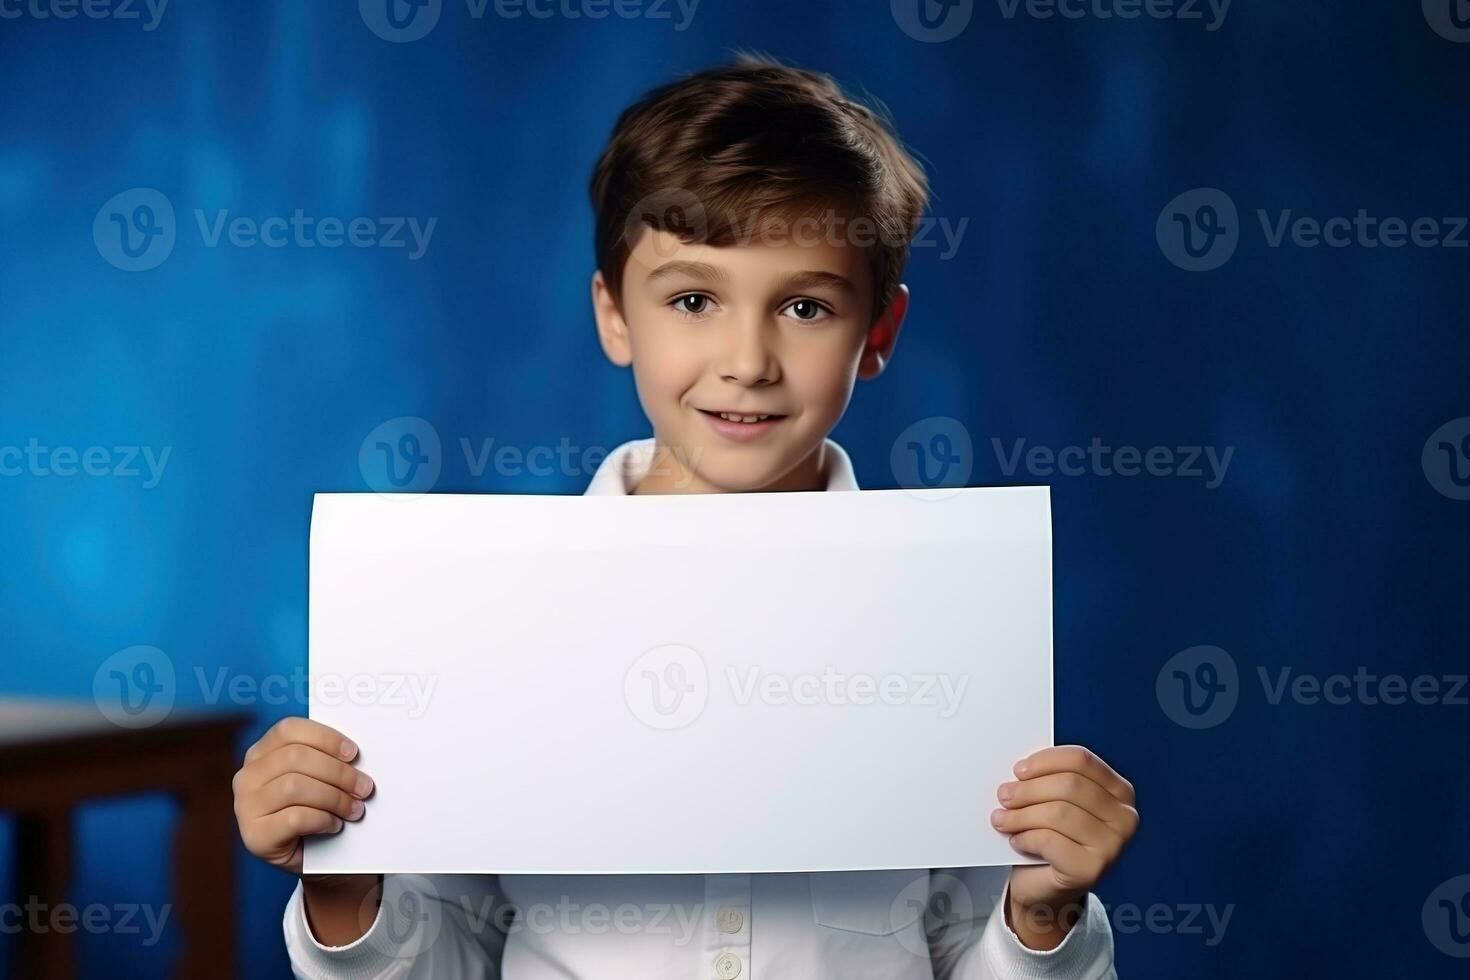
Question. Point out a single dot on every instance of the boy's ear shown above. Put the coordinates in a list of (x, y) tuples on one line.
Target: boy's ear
[(882, 335), (612, 329)]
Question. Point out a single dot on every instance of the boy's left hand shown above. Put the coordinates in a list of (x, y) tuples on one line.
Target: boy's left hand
[(1070, 809)]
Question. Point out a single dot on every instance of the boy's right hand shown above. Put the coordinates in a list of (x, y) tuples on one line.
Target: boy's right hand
[(296, 781)]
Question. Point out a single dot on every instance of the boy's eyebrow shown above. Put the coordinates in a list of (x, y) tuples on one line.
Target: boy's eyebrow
[(806, 279), (694, 270), (810, 278)]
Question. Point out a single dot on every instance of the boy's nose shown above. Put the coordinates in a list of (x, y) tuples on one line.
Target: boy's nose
[(747, 357)]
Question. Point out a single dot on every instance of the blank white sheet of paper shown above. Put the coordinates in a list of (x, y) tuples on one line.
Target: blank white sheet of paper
[(762, 682)]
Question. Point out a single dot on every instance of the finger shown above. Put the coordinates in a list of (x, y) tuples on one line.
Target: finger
[(306, 732), (1075, 788), (1075, 758), (294, 789), (284, 826), (1073, 865), (308, 761), (1067, 819)]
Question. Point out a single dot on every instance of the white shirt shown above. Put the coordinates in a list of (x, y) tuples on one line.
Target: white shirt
[(940, 924)]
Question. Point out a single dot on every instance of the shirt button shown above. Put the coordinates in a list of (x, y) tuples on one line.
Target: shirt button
[(730, 920), (727, 966)]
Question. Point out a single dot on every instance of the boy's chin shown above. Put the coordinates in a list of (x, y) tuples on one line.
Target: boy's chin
[(740, 471)]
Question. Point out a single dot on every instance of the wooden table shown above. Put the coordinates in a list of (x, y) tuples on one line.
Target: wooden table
[(56, 756)]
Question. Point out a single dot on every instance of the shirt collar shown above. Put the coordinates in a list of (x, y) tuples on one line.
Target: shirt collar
[(626, 465)]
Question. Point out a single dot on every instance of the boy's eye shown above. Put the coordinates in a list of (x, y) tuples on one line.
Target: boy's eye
[(693, 304), (807, 310)]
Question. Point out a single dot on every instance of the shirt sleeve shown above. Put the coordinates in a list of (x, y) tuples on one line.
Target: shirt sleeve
[(969, 938), (426, 926)]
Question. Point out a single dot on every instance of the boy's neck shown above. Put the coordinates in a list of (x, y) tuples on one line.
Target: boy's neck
[(670, 474)]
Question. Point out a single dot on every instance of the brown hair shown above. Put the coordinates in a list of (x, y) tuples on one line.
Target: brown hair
[(707, 155)]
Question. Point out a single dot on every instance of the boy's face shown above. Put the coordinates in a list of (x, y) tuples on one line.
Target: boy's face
[(773, 333)]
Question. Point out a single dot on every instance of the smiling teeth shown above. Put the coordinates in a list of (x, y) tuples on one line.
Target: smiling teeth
[(728, 417)]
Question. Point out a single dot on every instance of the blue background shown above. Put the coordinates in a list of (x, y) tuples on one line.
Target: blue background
[(1325, 549)]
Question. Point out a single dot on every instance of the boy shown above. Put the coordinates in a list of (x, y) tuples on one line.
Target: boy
[(752, 229)]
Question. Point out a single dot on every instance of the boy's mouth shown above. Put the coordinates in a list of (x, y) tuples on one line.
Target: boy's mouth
[(745, 418), (741, 426)]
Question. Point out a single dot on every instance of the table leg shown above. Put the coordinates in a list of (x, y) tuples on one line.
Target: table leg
[(43, 849), (204, 874)]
